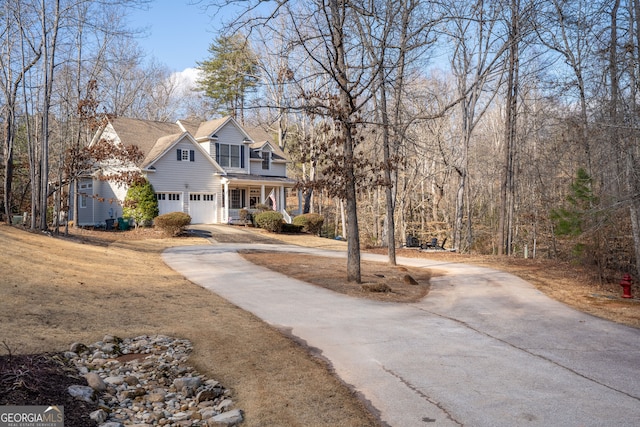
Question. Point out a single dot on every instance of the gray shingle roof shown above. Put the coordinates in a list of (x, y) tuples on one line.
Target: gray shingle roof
[(154, 138), (143, 133)]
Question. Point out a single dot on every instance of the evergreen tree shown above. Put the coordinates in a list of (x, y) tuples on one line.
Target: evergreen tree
[(572, 221), (140, 203), (229, 74)]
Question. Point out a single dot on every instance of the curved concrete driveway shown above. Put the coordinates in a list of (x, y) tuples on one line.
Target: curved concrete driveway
[(483, 349)]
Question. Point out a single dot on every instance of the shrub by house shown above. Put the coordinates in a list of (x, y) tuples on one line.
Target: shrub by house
[(173, 223)]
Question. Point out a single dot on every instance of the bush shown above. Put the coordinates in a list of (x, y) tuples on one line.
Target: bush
[(311, 222), (261, 207), (270, 221), (173, 224), (245, 216), (140, 203), (291, 228)]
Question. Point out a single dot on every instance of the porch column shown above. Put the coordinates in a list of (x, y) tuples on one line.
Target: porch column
[(262, 196), (299, 202), (282, 201), (225, 211)]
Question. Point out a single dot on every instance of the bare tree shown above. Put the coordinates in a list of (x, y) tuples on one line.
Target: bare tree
[(20, 52), (477, 64)]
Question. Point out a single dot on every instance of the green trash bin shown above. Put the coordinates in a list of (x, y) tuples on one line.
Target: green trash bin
[(123, 224)]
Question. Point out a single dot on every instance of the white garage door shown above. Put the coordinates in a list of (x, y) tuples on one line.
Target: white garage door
[(202, 208), (169, 202)]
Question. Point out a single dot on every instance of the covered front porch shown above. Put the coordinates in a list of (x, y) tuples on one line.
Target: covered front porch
[(247, 192)]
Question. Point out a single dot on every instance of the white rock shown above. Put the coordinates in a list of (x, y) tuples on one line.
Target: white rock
[(82, 392), (114, 380), (95, 382), (180, 416), (192, 382), (225, 404), (98, 416), (226, 418)]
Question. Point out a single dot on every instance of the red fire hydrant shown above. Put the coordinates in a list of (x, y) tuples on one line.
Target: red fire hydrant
[(626, 286)]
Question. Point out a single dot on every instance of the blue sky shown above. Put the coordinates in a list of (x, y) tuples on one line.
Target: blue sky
[(178, 34)]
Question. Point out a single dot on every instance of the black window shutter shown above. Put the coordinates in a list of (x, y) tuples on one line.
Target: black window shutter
[(217, 152), (192, 156), (179, 151), (242, 156)]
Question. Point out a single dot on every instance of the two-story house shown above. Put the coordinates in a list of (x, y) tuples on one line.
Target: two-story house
[(210, 170)]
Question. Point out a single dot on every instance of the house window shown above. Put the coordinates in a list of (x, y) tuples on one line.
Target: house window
[(84, 190), (202, 197), (230, 156), (236, 198), (266, 160), (167, 196), (186, 155)]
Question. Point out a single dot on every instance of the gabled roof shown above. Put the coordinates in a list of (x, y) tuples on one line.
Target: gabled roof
[(143, 133), (156, 138), (210, 127), (187, 125), (262, 138), (166, 143), (161, 146)]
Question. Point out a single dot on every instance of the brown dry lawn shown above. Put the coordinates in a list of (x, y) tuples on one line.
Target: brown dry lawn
[(570, 284), (54, 291)]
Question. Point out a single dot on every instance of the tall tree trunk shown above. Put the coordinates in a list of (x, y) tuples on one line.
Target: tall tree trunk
[(507, 196), (347, 127), (48, 68), (8, 160)]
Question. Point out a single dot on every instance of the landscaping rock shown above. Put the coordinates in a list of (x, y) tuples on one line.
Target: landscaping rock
[(231, 418), (82, 392), (145, 381), (95, 382)]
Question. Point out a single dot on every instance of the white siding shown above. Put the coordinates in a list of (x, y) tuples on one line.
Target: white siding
[(173, 176), (209, 147), (230, 134), (105, 203), (110, 134), (276, 169)]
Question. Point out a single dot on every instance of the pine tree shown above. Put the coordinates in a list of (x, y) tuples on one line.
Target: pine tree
[(229, 75), (572, 221)]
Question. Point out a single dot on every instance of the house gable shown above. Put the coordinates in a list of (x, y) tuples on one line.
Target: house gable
[(183, 168), (267, 159), (227, 143), (183, 148)]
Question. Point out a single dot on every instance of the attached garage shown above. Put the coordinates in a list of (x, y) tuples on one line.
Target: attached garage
[(169, 202), (203, 208)]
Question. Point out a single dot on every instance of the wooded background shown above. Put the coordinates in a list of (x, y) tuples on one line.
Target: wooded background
[(506, 127)]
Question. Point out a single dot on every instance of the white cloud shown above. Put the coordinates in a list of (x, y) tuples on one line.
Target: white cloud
[(185, 80)]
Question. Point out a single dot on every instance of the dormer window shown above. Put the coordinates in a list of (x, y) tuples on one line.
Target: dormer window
[(230, 155), (266, 160)]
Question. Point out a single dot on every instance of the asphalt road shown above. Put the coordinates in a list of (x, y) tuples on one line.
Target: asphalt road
[(485, 348)]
